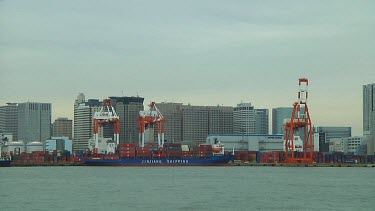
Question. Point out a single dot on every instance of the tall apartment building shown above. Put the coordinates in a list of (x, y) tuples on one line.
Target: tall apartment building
[(369, 109), (327, 133), (128, 108), (62, 127), (278, 117), (261, 121), (172, 113), (194, 124), (83, 121), (34, 121), (220, 119), (244, 119), (9, 119), (191, 124)]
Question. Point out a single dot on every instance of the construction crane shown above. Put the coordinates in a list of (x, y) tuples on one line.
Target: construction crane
[(148, 119), (106, 115), (300, 120)]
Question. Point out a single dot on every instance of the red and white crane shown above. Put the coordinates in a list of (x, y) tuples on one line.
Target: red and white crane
[(106, 115), (149, 118), (300, 120)]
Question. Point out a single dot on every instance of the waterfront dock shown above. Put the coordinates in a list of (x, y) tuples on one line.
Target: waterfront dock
[(232, 164), (304, 164)]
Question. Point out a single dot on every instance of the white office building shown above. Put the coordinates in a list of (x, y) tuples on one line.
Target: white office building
[(244, 119), (83, 121)]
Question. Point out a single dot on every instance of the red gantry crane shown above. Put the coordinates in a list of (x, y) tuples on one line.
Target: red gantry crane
[(149, 118), (300, 120), (107, 114)]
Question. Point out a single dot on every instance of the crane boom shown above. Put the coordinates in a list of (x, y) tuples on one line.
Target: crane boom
[(106, 114), (151, 117)]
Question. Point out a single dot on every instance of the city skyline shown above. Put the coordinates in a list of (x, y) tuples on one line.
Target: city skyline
[(206, 53), (70, 115)]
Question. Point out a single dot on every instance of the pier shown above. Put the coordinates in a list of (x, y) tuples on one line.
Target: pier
[(305, 164)]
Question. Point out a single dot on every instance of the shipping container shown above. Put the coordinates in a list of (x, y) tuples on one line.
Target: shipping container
[(128, 156), (127, 145), (159, 155), (126, 148), (111, 157), (173, 145)]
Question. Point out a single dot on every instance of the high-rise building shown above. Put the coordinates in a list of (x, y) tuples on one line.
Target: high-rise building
[(370, 141), (34, 122), (214, 120), (9, 119), (83, 121), (279, 115), (191, 124), (326, 133), (261, 121), (220, 119), (194, 124), (62, 127), (128, 108), (369, 109), (82, 127), (172, 113), (244, 119)]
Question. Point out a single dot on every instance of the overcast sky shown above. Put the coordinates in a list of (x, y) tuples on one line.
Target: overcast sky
[(198, 52)]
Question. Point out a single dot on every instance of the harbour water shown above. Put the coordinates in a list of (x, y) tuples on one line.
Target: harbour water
[(186, 188)]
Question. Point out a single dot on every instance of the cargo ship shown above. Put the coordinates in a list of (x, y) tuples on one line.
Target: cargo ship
[(212, 161), (108, 152), (168, 155)]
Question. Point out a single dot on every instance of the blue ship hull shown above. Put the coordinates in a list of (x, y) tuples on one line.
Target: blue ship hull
[(4, 163), (212, 161)]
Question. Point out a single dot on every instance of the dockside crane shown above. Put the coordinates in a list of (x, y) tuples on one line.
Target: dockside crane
[(106, 115), (149, 119), (300, 120)]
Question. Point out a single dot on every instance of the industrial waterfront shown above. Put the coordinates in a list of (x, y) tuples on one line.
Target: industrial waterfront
[(298, 142), (187, 105), (237, 163)]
